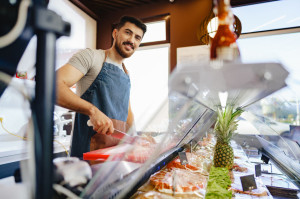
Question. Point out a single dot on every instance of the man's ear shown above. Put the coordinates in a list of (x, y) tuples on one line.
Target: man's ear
[(114, 33)]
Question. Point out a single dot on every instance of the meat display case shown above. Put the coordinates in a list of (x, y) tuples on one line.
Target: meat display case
[(186, 116)]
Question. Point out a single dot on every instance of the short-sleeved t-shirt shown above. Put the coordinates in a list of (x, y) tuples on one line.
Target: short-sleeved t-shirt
[(89, 62)]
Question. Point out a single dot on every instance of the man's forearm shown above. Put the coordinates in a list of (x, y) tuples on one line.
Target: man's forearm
[(100, 122)]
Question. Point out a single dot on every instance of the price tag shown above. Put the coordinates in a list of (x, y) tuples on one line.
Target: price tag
[(258, 170), (265, 158), (248, 182), (183, 158), (192, 145)]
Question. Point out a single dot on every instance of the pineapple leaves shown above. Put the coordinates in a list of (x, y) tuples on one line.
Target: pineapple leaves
[(226, 123)]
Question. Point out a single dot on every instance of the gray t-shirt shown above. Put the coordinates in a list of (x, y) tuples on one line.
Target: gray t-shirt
[(89, 62)]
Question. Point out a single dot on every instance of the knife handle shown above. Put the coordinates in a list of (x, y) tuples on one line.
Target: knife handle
[(89, 123), (118, 134)]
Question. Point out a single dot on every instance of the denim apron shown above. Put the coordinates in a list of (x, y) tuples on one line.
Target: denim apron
[(110, 94)]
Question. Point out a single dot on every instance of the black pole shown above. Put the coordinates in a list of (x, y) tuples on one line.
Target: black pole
[(44, 107), (48, 27)]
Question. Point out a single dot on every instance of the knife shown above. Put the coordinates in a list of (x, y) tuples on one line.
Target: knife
[(123, 136), (119, 134)]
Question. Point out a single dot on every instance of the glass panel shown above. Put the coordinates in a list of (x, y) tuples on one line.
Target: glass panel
[(239, 84), (206, 120), (270, 137), (269, 16), (156, 31)]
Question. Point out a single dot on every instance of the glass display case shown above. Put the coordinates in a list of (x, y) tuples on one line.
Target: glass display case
[(130, 164), (184, 123)]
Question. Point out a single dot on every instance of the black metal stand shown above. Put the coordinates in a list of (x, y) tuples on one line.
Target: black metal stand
[(44, 107), (49, 26)]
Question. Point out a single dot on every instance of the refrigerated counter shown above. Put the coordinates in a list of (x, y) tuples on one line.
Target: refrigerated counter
[(184, 123)]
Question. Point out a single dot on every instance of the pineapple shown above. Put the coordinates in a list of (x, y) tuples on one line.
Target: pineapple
[(224, 128)]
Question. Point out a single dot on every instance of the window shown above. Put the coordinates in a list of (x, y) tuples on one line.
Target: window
[(284, 48), (152, 34), (271, 46), (272, 34), (149, 73), (158, 30), (269, 16)]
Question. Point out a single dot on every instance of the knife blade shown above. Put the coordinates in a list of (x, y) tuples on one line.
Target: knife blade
[(119, 134), (123, 136)]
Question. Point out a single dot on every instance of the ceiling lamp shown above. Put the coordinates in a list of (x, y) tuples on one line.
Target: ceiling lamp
[(209, 26)]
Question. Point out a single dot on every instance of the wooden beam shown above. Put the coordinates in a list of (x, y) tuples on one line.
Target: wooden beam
[(116, 3), (132, 2), (235, 3), (120, 5), (85, 9), (104, 5)]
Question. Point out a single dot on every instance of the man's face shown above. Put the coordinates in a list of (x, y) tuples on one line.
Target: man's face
[(127, 39)]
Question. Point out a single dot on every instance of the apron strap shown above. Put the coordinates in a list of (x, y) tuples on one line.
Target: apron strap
[(124, 68)]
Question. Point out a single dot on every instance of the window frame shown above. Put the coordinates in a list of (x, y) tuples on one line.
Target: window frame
[(270, 32), (166, 18)]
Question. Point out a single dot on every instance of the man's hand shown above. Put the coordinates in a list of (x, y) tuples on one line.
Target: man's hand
[(101, 123)]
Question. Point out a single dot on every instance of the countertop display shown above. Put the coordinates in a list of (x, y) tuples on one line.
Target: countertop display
[(186, 124)]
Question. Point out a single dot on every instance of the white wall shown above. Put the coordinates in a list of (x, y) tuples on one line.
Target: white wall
[(83, 27)]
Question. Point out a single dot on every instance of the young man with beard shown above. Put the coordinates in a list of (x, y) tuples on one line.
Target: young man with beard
[(103, 88)]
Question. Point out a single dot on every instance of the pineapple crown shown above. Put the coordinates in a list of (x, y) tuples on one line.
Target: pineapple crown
[(226, 123)]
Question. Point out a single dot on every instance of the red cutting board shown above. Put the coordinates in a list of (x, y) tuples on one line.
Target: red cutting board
[(116, 151), (125, 152)]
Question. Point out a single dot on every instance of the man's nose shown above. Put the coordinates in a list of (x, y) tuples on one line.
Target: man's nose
[(131, 39)]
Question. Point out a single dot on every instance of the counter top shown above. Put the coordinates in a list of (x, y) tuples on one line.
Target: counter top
[(16, 150)]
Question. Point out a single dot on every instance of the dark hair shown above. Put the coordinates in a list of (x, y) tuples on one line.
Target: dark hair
[(133, 20)]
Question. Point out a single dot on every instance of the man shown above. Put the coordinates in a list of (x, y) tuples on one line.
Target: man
[(103, 88)]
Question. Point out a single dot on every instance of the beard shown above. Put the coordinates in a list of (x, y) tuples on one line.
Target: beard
[(121, 51)]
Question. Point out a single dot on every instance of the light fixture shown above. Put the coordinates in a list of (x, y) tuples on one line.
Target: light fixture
[(209, 26), (212, 27)]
